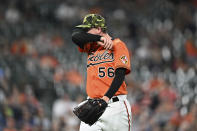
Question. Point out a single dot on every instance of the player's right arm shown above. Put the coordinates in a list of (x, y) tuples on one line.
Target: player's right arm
[(80, 37)]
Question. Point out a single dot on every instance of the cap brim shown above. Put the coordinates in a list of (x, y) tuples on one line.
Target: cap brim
[(83, 26)]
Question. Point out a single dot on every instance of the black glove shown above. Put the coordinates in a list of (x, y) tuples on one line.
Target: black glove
[(90, 110)]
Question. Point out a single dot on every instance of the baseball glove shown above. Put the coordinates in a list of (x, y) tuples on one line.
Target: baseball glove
[(90, 110)]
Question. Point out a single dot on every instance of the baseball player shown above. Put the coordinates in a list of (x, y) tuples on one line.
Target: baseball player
[(107, 64)]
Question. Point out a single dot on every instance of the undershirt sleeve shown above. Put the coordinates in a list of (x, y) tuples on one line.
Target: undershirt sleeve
[(117, 82), (81, 37)]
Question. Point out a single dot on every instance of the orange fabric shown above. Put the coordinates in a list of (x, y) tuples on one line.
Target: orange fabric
[(176, 119), (23, 49), (57, 41), (74, 77), (22, 98), (189, 118), (101, 66), (48, 61), (156, 83), (191, 49), (14, 48)]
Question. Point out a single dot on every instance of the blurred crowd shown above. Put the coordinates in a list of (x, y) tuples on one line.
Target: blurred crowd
[(42, 74)]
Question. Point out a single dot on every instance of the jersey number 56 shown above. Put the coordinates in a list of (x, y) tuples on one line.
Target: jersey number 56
[(103, 71)]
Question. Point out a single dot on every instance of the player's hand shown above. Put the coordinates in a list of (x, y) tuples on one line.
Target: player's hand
[(101, 42), (105, 98), (106, 42), (110, 41)]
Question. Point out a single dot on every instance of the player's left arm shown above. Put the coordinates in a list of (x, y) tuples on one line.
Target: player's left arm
[(116, 83), (122, 68)]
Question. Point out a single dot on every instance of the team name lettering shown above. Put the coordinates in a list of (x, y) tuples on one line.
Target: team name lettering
[(104, 56)]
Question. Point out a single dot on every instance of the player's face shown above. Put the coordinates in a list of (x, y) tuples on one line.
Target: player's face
[(95, 31)]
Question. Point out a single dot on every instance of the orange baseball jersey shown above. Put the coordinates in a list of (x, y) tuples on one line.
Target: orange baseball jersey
[(101, 66)]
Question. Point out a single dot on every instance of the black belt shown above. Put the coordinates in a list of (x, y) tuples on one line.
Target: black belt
[(115, 99)]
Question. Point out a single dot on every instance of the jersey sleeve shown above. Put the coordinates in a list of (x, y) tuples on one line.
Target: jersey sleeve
[(121, 54)]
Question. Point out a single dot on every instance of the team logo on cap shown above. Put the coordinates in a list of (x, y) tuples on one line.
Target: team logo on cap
[(124, 59)]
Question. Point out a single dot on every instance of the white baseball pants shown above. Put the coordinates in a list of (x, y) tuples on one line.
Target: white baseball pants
[(117, 117)]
